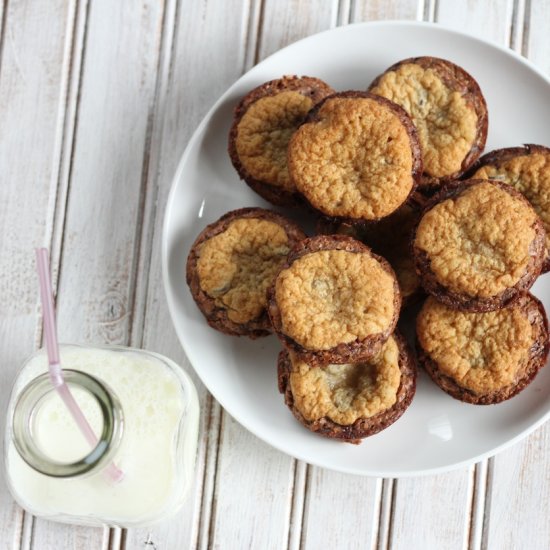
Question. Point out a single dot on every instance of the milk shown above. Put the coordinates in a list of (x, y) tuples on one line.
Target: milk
[(156, 453)]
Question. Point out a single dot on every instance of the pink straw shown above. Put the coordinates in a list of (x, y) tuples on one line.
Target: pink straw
[(52, 346)]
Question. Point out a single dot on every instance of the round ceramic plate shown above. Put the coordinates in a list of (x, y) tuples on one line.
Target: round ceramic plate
[(437, 432)]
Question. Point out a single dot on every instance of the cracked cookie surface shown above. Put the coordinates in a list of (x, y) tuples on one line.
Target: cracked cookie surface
[(233, 262), (330, 287), (236, 267), (351, 401), (487, 355), (334, 300), (478, 239), (347, 392), (357, 157), (264, 122), (447, 108), (527, 169), (264, 132)]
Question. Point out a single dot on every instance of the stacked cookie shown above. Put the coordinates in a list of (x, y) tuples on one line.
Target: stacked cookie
[(479, 247), (380, 172), (344, 372)]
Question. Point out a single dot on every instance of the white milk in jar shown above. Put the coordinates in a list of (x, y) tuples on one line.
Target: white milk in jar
[(145, 411)]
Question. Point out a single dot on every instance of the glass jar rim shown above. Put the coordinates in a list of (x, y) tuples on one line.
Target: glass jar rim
[(108, 440)]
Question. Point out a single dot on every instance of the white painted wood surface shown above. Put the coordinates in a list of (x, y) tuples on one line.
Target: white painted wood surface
[(97, 102)]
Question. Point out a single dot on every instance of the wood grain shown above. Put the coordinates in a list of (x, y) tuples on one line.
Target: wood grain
[(535, 36), (432, 512), (519, 496), (491, 19), (338, 505), (365, 10), (287, 21)]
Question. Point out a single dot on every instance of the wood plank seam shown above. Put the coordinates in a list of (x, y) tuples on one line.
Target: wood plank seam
[(71, 147), (3, 27), (352, 11), (386, 513), (526, 26), (151, 170), (214, 500), (516, 26), (144, 233), (297, 504), (487, 504), (251, 39), (209, 474), (67, 127), (430, 10), (376, 514), (478, 505), (341, 13), (386, 516), (305, 507), (257, 33)]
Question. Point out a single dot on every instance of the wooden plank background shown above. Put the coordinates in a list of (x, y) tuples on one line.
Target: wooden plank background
[(97, 102)]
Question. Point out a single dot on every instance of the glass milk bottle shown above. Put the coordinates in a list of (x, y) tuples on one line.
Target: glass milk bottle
[(144, 410)]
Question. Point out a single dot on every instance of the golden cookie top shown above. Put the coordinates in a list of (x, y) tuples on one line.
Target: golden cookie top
[(345, 393), (530, 175), (478, 242), (236, 266), (329, 297), (446, 121), (355, 159), (263, 134), (482, 352)]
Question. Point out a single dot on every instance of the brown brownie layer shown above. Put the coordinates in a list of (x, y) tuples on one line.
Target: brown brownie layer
[(313, 88), (362, 427), (217, 316), (456, 79), (535, 315), (471, 302), (344, 352)]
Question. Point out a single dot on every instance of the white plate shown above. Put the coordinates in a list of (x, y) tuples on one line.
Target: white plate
[(437, 432)]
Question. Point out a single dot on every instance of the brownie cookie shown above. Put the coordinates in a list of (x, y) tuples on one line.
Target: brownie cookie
[(447, 108), (334, 301), (478, 244), (264, 121), (389, 237), (356, 158), (232, 263), (527, 169), (350, 401), (483, 358)]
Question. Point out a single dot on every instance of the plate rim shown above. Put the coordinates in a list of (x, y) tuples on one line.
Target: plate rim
[(165, 252)]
